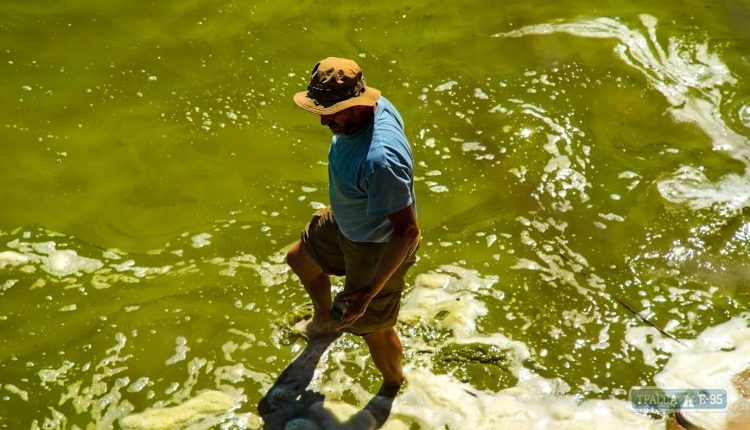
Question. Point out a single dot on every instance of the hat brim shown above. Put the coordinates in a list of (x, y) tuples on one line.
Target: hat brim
[(368, 98)]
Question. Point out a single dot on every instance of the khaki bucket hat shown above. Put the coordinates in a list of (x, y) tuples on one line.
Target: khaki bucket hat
[(336, 84)]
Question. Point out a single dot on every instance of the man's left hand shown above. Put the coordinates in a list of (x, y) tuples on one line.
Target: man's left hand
[(358, 300)]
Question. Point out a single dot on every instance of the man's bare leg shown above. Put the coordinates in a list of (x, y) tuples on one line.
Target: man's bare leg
[(386, 351), (318, 286)]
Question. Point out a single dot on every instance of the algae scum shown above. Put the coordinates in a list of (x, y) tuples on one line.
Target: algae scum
[(582, 185)]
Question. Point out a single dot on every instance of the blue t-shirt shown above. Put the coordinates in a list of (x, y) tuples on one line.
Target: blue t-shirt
[(371, 176)]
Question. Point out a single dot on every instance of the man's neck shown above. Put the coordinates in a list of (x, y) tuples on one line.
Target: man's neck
[(363, 118)]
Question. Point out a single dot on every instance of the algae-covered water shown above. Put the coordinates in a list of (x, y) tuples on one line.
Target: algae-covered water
[(583, 184)]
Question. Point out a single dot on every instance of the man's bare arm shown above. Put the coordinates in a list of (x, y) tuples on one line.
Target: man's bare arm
[(404, 238)]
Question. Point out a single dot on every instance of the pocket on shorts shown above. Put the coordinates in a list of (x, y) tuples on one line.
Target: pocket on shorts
[(381, 314)]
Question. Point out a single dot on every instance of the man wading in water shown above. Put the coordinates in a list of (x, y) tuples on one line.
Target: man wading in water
[(369, 234)]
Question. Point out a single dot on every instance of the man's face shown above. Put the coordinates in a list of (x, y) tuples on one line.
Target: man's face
[(340, 122), (347, 121)]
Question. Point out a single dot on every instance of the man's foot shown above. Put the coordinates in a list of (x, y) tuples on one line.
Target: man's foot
[(312, 329)]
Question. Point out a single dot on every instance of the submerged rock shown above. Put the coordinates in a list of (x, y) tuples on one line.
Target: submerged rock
[(484, 366)]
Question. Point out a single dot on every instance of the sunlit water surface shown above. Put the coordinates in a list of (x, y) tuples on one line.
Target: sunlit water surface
[(582, 178)]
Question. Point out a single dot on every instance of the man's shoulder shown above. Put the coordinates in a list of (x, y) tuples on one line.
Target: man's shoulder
[(389, 126), (387, 113)]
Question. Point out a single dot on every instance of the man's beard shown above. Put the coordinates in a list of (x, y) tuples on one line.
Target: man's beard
[(351, 126)]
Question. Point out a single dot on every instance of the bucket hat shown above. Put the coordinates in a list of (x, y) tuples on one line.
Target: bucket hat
[(336, 84)]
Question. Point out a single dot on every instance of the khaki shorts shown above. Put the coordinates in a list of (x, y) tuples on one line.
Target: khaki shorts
[(340, 256)]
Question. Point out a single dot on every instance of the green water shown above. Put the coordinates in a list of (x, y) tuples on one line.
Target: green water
[(588, 173)]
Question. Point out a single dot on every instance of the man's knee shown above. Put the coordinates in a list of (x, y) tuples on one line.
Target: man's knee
[(293, 256), (301, 262)]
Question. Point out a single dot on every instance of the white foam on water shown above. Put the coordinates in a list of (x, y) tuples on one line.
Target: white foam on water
[(55, 376), (447, 300), (744, 115), (712, 361), (451, 299), (203, 405), (114, 268), (693, 80), (441, 401), (446, 86), (24, 395), (654, 347), (56, 262), (103, 397), (564, 175), (201, 240), (12, 258), (66, 265), (100, 397), (429, 400), (690, 186), (181, 350)]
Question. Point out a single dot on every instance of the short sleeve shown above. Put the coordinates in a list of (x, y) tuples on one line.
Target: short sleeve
[(389, 190)]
